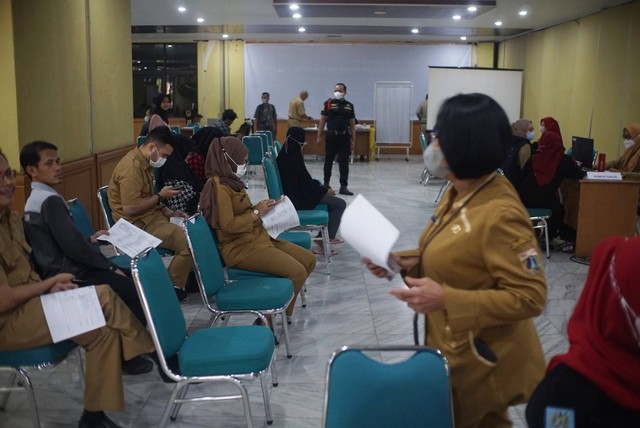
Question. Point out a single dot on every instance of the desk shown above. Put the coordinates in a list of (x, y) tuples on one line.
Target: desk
[(361, 147), (599, 209)]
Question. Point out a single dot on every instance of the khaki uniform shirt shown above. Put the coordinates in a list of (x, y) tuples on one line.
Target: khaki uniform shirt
[(131, 182), (15, 268), (239, 235), (297, 112), (486, 257)]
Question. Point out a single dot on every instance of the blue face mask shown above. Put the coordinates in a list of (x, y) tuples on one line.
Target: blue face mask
[(530, 135)]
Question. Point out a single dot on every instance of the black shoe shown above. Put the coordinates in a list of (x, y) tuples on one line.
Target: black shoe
[(137, 365), (327, 185), (96, 421), (345, 191), (180, 293)]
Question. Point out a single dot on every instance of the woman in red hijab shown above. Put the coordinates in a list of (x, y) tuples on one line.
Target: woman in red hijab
[(597, 383), (543, 174)]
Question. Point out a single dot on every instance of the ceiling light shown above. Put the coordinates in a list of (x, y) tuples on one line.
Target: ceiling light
[(146, 68), (296, 16), (456, 17), (472, 8), (415, 31), (225, 36), (169, 46), (463, 37), (523, 13), (379, 12), (294, 7), (498, 23), (138, 62), (182, 9), (302, 29), (200, 19)]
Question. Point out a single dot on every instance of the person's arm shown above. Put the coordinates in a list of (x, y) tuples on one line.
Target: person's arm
[(149, 202), (572, 170), (275, 119), (323, 121), (523, 155), (301, 112), (69, 240), (352, 125), (228, 221), (12, 297)]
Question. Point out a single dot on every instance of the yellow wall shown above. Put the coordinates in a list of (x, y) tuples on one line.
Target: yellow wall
[(111, 75), (583, 73), (8, 107), (484, 55), (221, 86)]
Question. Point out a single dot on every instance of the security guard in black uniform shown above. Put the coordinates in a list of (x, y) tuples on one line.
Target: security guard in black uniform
[(340, 118)]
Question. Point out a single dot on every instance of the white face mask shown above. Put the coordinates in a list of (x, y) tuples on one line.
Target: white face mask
[(628, 143), (531, 135), (433, 158), (157, 163), (146, 119), (338, 95), (241, 170)]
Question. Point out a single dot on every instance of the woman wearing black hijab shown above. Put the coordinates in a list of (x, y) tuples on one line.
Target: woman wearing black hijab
[(160, 116), (305, 192)]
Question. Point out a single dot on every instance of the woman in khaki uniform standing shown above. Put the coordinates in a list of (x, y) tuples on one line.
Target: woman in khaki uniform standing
[(477, 274)]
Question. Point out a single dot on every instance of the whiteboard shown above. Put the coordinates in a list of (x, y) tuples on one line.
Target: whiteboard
[(284, 69), (505, 86), (393, 112)]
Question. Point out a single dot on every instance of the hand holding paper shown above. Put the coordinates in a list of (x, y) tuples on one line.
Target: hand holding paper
[(130, 239)]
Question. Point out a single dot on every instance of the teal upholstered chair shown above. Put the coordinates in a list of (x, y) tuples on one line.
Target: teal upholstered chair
[(267, 139), (266, 295), (103, 199), (278, 147), (256, 152), (313, 220), (40, 358), (424, 178), (140, 140), (175, 129), (539, 217), (362, 392), (83, 225), (225, 355)]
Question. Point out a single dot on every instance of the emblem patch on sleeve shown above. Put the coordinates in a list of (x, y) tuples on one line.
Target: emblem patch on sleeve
[(530, 261), (557, 417)]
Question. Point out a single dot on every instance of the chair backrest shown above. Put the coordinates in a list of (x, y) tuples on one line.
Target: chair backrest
[(278, 146), (273, 151), (175, 129), (363, 392), (274, 187), (256, 151), (140, 140), (206, 256), (423, 142), (165, 320), (80, 217), (267, 138), (103, 198)]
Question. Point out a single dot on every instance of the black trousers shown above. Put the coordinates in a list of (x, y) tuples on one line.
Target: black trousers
[(339, 145), (565, 388), (123, 286)]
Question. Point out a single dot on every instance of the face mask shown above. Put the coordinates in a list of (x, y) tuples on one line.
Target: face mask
[(146, 119), (265, 100), (241, 170), (338, 95), (530, 135), (628, 143), (542, 130), (433, 161), (157, 163)]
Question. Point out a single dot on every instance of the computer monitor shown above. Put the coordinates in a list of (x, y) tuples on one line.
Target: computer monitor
[(582, 151)]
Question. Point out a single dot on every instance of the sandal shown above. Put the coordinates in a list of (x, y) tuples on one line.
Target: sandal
[(320, 251), (336, 241)]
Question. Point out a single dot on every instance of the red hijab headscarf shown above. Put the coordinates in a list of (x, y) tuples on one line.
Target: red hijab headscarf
[(550, 124), (602, 344), (545, 162)]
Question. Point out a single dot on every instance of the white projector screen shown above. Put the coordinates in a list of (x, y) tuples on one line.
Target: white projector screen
[(504, 86)]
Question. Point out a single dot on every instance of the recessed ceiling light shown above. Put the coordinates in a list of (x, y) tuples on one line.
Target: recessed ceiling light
[(472, 8), (294, 7), (379, 12), (463, 37), (456, 17), (415, 30), (296, 16), (523, 13), (146, 68), (169, 46), (498, 23), (225, 36), (138, 62), (200, 19), (182, 9), (302, 29)]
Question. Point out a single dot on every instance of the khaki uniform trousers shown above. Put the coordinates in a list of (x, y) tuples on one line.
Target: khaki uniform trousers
[(285, 260), (122, 338), (173, 238)]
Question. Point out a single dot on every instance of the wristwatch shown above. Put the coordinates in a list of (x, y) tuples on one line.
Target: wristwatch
[(256, 212)]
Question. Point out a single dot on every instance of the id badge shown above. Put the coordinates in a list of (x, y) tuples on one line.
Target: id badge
[(558, 417)]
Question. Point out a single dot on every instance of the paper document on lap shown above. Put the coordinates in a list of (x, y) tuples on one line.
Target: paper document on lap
[(370, 233), (73, 312), (130, 239), (280, 218)]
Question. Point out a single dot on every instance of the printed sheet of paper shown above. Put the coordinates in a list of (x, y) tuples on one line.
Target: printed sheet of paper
[(130, 239), (72, 312), (369, 232), (280, 218)]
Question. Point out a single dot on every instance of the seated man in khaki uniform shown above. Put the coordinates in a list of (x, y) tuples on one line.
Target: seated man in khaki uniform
[(23, 325), (131, 197)]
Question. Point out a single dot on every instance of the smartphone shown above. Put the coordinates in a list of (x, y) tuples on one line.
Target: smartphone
[(484, 351), (81, 283)]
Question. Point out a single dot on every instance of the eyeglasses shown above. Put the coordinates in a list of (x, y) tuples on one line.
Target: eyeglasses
[(632, 318), (9, 175)]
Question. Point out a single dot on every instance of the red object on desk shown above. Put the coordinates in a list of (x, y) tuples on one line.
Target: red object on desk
[(601, 161)]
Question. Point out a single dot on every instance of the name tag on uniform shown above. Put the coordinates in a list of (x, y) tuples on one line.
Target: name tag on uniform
[(558, 417)]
